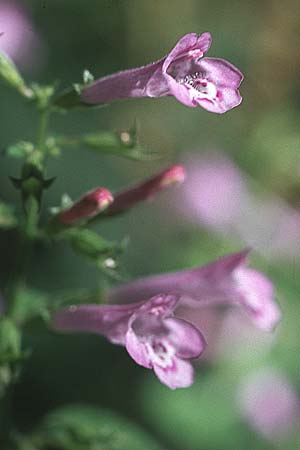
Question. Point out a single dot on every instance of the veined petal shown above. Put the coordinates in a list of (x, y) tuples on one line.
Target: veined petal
[(188, 43), (221, 72), (226, 99), (180, 375), (188, 341)]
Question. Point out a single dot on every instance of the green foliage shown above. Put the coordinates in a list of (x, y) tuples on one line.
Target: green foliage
[(10, 352), (86, 428), (11, 75), (92, 245), (21, 149), (31, 303), (7, 216), (124, 144)]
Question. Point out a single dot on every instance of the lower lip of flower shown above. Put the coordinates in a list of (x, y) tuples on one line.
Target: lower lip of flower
[(199, 86), (161, 353)]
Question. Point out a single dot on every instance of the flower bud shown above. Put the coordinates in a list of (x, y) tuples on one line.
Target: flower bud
[(86, 207), (147, 189)]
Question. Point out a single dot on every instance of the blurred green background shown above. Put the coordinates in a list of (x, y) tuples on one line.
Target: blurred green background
[(262, 136)]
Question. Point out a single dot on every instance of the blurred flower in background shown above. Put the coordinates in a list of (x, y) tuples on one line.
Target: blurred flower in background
[(218, 196), (18, 37), (270, 404)]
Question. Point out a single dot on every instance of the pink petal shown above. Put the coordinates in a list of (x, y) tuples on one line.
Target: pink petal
[(180, 375), (185, 337), (258, 297), (221, 72), (186, 43), (228, 98), (137, 350)]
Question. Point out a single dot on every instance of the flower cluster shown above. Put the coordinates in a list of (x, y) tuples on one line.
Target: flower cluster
[(154, 336), (144, 315)]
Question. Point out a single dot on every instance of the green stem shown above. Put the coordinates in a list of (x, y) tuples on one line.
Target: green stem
[(28, 229), (42, 130)]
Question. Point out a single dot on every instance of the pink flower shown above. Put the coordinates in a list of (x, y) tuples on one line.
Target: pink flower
[(147, 189), (86, 207), (195, 81), (152, 335), (227, 281), (18, 38), (214, 192), (270, 404)]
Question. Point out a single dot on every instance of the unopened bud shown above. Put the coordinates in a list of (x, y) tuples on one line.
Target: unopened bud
[(91, 204), (146, 190)]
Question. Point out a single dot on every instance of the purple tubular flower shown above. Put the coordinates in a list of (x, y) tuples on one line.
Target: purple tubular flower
[(195, 81), (227, 282), (91, 204), (146, 190), (152, 335)]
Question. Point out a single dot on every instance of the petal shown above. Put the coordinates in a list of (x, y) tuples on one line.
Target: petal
[(227, 99), (199, 283), (220, 72), (185, 337), (180, 92), (223, 267), (110, 321), (180, 375), (137, 349), (149, 319), (204, 42), (160, 305), (183, 46), (257, 295)]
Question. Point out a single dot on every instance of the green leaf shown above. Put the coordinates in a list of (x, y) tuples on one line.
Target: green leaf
[(91, 244), (7, 216), (10, 352), (11, 75), (124, 143), (10, 340), (81, 427), (31, 304), (21, 149)]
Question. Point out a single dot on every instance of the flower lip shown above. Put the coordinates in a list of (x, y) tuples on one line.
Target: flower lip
[(209, 82), (189, 46)]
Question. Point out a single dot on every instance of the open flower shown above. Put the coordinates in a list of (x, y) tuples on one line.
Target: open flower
[(227, 282), (152, 335), (195, 81)]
